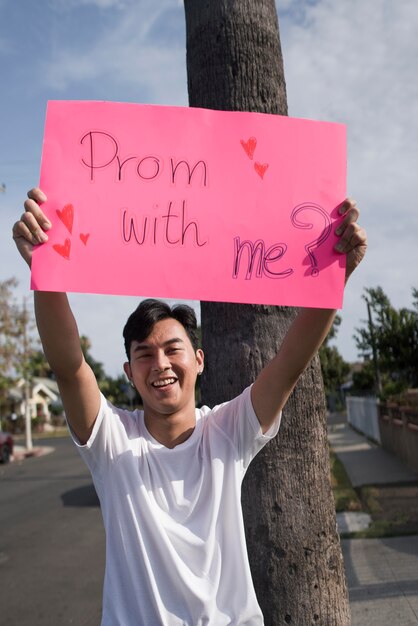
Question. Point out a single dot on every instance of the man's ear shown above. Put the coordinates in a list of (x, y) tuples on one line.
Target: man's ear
[(200, 358), (127, 370)]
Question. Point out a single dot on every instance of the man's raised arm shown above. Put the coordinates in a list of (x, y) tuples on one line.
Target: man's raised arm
[(58, 329), (306, 334)]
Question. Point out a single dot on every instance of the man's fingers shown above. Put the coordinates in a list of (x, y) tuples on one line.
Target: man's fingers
[(359, 238), (28, 228), (20, 231), (353, 236), (32, 224), (347, 205), (37, 195), (351, 214), (33, 208)]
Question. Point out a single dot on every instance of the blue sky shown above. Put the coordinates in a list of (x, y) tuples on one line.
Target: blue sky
[(350, 61)]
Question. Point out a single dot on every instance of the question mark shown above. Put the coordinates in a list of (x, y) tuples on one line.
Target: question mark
[(315, 243)]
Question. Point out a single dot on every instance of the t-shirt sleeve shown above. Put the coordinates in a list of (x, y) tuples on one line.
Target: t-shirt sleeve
[(106, 438), (238, 421)]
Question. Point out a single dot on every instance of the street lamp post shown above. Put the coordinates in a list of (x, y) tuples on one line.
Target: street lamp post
[(378, 381), (28, 417)]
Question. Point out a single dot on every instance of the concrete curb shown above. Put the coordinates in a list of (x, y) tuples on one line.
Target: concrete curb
[(352, 522), (20, 453)]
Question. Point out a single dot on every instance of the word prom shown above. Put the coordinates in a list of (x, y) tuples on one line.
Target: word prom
[(103, 153), (169, 226)]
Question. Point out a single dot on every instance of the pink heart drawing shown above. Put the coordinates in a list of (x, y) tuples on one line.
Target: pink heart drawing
[(261, 168), (63, 250), (67, 216), (249, 146), (84, 237)]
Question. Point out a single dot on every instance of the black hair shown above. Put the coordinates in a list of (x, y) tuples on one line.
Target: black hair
[(141, 322)]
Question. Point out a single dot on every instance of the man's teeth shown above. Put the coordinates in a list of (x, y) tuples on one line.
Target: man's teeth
[(164, 383)]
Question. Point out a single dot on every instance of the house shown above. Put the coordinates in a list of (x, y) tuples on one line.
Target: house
[(43, 394)]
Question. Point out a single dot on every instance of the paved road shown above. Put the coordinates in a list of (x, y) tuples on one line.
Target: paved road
[(51, 541)]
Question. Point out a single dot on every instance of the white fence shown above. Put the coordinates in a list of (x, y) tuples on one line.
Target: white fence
[(362, 414)]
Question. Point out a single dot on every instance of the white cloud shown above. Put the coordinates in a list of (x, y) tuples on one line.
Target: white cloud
[(101, 4), (131, 53)]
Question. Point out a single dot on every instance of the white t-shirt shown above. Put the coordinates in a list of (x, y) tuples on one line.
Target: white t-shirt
[(175, 544)]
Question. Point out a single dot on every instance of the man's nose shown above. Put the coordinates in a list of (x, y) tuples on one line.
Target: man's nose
[(161, 362)]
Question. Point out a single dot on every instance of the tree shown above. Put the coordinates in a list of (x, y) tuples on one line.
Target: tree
[(117, 390), (17, 345), (234, 62), (333, 367), (96, 366), (38, 365), (8, 335), (393, 335), (363, 379)]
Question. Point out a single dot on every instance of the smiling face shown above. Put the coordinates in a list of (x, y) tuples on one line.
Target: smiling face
[(164, 368)]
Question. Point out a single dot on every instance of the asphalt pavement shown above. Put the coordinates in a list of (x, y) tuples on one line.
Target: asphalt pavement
[(51, 539)]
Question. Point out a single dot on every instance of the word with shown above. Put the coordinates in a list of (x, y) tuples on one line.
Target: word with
[(171, 228), (104, 152)]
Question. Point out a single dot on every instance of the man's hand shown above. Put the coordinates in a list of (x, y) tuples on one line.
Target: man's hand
[(353, 238), (306, 334), (29, 231), (58, 329)]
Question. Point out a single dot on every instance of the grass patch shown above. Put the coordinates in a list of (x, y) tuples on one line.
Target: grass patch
[(345, 497), (370, 500), (393, 508)]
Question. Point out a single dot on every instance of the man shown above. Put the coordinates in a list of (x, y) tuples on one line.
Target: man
[(169, 477)]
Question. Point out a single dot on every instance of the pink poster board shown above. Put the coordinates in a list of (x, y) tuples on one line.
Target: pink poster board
[(191, 203)]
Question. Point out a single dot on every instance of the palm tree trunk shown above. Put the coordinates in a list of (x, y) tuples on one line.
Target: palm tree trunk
[(234, 62)]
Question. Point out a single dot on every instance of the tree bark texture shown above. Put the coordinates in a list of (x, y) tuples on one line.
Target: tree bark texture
[(234, 62)]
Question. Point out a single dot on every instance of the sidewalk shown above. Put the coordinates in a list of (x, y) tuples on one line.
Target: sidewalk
[(367, 463), (382, 574), (382, 579)]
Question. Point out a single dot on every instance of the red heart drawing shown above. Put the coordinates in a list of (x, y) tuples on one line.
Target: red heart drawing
[(261, 168), (67, 216), (64, 250), (84, 237), (249, 146)]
